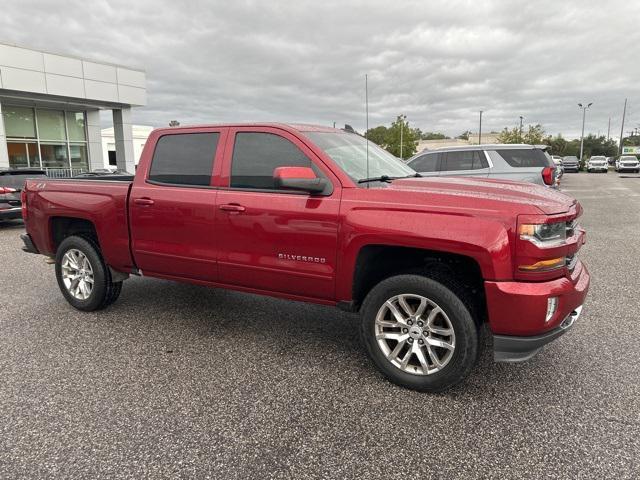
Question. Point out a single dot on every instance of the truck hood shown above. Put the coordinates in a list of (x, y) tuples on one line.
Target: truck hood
[(547, 200)]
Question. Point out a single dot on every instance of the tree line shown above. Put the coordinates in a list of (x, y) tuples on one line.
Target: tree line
[(389, 139)]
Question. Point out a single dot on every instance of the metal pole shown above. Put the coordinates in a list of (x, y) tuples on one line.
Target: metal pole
[(624, 112), (520, 134), (609, 129), (480, 130), (584, 112), (401, 129)]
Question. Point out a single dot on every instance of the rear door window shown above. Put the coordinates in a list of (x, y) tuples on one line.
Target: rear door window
[(184, 159), (426, 163), (463, 160), (525, 158)]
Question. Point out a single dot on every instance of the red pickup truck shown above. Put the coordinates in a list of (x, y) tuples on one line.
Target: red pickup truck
[(319, 215)]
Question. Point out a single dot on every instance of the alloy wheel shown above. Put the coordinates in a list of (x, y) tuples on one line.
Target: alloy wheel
[(77, 274), (415, 334)]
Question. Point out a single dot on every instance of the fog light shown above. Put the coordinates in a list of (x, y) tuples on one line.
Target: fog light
[(552, 306)]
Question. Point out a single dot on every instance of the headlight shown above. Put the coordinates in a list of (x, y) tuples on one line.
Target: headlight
[(544, 235)]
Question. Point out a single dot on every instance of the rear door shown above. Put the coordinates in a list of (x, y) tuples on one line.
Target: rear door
[(173, 203), (270, 239), (468, 163)]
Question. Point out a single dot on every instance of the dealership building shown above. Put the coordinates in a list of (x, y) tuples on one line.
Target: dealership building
[(50, 111)]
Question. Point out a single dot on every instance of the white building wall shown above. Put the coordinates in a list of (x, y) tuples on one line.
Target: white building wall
[(139, 138), (27, 70)]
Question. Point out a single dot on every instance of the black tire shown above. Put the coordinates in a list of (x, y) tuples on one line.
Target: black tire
[(465, 354), (104, 291)]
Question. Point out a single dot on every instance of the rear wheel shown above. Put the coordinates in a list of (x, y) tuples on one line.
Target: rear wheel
[(419, 333), (83, 277)]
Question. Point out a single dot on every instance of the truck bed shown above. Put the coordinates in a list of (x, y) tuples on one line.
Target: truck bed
[(100, 200)]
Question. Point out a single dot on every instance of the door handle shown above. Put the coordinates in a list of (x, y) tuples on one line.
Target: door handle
[(232, 207), (145, 202)]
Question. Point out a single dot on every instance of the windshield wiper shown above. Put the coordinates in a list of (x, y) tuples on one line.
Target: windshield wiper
[(386, 178)]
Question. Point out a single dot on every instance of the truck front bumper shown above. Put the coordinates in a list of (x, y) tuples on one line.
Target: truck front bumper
[(522, 315), (507, 348)]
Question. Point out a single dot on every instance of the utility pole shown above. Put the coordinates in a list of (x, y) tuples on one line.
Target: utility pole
[(584, 113), (624, 113), (520, 134), (609, 129), (480, 130), (402, 118)]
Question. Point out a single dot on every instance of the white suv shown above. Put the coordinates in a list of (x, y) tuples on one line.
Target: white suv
[(598, 164), (627, 163)]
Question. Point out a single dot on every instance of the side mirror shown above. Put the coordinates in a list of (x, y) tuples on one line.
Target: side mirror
[(303, 179)]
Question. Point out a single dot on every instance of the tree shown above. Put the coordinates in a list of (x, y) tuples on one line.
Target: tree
[(631, 141), (377, 135), (534, 135), (174, 123), (433, 136), (389, 137), (464, 135), (557, 145), (409, 135)]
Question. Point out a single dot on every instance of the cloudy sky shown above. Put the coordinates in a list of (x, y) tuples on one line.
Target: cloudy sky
[(438, 62)]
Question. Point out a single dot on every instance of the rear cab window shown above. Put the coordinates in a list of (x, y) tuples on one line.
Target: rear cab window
[(184, 159), (525, 158)]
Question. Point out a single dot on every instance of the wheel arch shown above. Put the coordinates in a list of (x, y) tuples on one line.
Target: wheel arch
[(460, 273)]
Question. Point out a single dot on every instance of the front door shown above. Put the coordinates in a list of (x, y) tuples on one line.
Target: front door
[(269, 239), (173, 207)]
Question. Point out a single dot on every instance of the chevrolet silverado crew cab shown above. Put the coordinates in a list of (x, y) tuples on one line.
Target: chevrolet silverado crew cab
[(319, 215)]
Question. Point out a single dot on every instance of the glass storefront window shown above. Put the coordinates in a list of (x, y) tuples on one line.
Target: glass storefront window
[(75, 126), (79, 156), (54, 156), (32, 152), (51, 125), (19, 122), (17, 155), (23, 155), (57, 137)]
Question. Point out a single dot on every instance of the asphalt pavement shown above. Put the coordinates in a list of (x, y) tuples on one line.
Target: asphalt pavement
[(180, 381)]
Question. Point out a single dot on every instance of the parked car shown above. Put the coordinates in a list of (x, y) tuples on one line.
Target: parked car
[(11, 182), (525, 163), (628, 163), (319, 215), (598, 164), (571, 164)]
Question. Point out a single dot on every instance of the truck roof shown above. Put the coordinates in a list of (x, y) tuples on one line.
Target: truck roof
[(300, 127)]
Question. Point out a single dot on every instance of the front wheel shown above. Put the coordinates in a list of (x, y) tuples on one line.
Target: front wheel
[(83, 277), (419, 333)]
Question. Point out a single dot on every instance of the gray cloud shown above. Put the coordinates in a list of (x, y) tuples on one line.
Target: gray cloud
[(304, 61)]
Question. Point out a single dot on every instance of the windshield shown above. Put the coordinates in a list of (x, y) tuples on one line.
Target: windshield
[(599, 159), (628, 158), (349, 151)]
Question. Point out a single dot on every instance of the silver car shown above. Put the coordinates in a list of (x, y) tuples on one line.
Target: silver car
[(524, 163)]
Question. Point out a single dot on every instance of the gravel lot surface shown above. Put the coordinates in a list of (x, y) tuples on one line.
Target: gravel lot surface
[(179, 381)]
